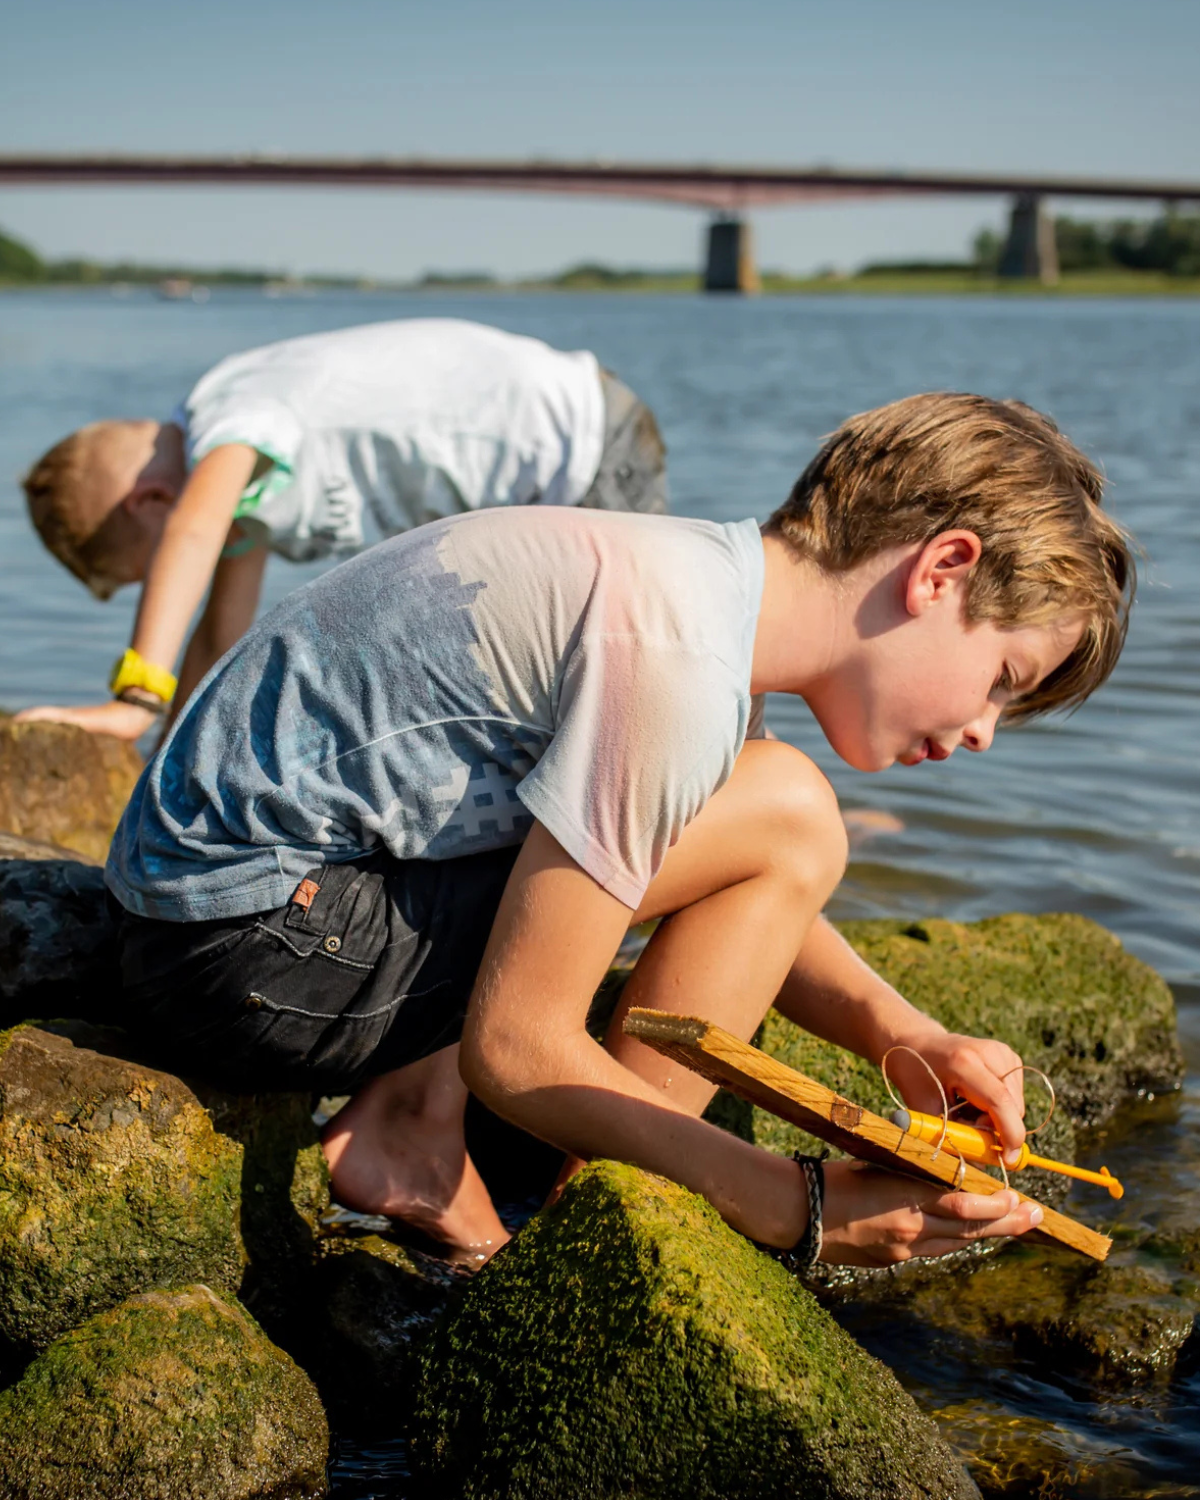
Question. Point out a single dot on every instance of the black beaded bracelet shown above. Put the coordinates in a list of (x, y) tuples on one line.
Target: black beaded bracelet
[(806, 1252), (151, 702)]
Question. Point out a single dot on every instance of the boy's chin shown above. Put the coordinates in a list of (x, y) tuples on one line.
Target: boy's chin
[(862, 757)]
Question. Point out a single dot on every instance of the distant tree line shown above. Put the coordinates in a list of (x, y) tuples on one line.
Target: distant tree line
[(21, 263), (1169, 244)]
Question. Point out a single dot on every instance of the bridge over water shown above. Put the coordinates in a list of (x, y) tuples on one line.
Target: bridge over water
[(727, 192)]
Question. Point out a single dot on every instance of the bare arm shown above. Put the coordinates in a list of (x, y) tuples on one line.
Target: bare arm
[(833, 993), (229, 613), (186, 557), (526, 1052), (176, 580)]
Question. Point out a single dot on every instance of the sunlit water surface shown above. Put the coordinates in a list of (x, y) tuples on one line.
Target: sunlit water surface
[(1098, 814)]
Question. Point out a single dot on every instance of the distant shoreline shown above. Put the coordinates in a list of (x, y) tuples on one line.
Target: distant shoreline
[(874, 283)]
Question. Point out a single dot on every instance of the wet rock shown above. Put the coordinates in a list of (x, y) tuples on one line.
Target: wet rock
[(1014, 1457), (61, 785), (375, 1303), (112, 1180), (57, 944), (1110, 1326), (282, 1193), (629, 1343), (1059, 989), (172, 1395)]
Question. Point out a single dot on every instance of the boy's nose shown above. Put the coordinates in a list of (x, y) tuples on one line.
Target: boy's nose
[(978, 734)]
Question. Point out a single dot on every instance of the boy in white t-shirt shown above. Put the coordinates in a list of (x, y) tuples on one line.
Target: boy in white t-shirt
[(318, 447), (392, 844)]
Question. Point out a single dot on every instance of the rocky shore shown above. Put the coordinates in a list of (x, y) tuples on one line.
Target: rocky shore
[(181, 1315)]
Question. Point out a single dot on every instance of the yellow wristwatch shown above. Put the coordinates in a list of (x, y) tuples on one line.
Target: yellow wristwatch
[(132, 671)]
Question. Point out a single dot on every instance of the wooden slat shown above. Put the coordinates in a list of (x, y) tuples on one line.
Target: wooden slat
[(754, 1076)]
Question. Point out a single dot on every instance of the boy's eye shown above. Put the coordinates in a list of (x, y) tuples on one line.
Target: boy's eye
[(1004, 683)]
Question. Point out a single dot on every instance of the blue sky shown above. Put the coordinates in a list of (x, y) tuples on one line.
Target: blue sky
[(1052, 86)]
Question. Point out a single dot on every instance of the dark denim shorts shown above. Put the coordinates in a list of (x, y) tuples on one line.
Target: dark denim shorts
[(633, 465), (370, 966)]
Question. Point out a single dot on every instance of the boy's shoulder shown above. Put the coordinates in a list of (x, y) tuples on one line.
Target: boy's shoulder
[(681, 583)]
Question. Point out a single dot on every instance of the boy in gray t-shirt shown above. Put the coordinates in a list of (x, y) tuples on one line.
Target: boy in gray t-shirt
[(395, 838)]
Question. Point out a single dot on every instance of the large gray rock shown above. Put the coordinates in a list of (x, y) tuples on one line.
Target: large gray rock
[(172, 1395), (57, 941)]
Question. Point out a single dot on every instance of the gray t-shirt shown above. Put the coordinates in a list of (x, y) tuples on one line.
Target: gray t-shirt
[(437, 693)]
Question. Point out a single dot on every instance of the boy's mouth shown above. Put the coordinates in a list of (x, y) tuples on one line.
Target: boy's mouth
[(927, 750)]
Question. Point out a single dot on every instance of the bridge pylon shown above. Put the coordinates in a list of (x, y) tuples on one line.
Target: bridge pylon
[(730, 266), (1030, 252)]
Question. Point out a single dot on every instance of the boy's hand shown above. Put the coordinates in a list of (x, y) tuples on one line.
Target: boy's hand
[(974, 1068), (877, 1218), (126, 721)]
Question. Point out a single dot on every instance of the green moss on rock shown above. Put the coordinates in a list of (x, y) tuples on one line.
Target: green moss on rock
[(172, 1395), (1112, 1326), (112, 1180), (1060, 990), (630, 1343)]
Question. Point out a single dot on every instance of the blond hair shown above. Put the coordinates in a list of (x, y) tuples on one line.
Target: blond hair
[(59, 492), (903, 473)]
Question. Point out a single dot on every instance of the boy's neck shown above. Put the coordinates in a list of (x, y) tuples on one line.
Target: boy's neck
[(800, 623), (812, 623)]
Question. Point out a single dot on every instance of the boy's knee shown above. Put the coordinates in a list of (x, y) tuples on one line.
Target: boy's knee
[(802, 822)]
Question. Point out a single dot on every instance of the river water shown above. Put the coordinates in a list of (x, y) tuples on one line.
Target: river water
[(1098, 813)]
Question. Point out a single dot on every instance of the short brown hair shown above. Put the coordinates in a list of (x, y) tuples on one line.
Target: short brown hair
[(56, 493), (903, 473)]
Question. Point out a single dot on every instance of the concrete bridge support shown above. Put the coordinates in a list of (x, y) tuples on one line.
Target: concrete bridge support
[(730, 265), (1030, 252)]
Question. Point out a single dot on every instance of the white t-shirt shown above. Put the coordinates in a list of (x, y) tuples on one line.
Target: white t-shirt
[(434, 695), (376, 429)]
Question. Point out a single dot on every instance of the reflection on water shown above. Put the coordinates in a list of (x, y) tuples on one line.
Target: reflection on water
[(1098, 814)]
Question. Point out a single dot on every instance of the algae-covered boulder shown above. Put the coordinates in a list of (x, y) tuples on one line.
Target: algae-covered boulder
[(61, 785), (375, 1303), (172, 1395), (629, 1343), (283, 1191), (1059, 989), (57, 940), (112, 1180), (1113, 1326)]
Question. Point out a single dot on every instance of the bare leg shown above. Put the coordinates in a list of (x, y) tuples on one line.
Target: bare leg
[(745, 883), (398, 1149)]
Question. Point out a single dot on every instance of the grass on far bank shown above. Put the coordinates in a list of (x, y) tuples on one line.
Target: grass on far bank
[(878, 283), (884, 283)]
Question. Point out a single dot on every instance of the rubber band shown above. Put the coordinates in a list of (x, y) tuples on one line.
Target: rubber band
[(948, 1109), (1045, 1077), (899, 1103)]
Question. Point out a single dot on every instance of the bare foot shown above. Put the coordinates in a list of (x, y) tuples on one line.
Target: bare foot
[(398, 1149), (864, 823)]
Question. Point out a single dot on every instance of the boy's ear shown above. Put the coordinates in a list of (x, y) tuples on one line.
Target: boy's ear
[(148, 498), (941, 568)]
